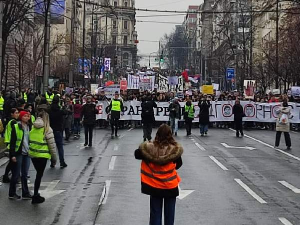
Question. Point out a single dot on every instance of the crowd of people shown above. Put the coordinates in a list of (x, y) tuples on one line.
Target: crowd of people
[(36, 124)]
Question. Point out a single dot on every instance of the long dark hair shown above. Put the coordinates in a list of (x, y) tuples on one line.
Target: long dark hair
[(164, 136)]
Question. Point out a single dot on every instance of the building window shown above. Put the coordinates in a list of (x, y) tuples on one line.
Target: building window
[(125, 59), (114, 24), (126, 4), (125, 40), (114, 40), (115, 3), (125, 25)]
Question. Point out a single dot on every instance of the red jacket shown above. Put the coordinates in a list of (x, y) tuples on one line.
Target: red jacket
[(77, 111)]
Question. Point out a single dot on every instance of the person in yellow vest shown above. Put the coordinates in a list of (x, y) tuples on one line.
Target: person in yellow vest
[(41, 149), (18, 154), (189, 114), (160, 161), (1, 106), (115, 108), (14, 117), (49, 95), (24, 96)]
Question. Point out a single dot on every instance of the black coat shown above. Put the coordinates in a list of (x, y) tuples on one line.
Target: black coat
[(175, 110), (148, 111), (204, 112), (56, 115), (238, 116), (88, 114)]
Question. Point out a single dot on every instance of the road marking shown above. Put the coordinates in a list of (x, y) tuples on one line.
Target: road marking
[(246, 147), (3, 161), (192, 139), (218, 163), (49, 192), (289, 186), (130, 129), (116, 147), (123, 135), (284, 221), (104, 195), (270, 146), (252, 193), (184, 193), (200, 147), (112, 163), (294, 132)]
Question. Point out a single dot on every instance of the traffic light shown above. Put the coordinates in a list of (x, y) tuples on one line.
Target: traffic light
[(162, 57)]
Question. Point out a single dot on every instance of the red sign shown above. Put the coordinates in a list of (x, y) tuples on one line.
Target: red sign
[(123, 85)]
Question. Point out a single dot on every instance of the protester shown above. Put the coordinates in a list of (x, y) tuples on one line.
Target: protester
[(148, 118), (189, 114), (238, 113), (283, 125), (68, 117), (77, 114), (115, 107), (163, 156), (56, 115), (18, 154), (204, 106), (88, 115), (175, 115), (7, 137)]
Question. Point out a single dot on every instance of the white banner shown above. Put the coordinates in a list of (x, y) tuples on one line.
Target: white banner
[(163, 84), (219, 111)]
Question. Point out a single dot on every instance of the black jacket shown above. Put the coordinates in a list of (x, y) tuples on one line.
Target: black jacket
[(204, 112), (238, 112), (56, 115), (148, 111), (175, 110), (146, 152), (88, 114)]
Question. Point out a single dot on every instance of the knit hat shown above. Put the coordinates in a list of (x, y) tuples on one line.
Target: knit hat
[(23, 113)]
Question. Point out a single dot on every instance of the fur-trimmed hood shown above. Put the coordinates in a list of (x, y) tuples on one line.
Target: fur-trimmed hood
[(162, 156)]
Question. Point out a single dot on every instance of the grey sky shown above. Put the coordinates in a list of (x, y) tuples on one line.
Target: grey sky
[(154, 31)]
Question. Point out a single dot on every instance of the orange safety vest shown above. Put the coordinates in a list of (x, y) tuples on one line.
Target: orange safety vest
[(160, 176)]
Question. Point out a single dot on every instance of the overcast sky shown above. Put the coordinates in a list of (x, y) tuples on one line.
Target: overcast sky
[(151, 31)]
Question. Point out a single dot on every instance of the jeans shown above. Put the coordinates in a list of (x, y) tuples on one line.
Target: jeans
[(188, 126), (286, 137), (147, 130), (88, 134), (77, 126), (115, 125), (156, 206), (174, 124), (39, 165), (203, 128), (21, 166), (58, 136)]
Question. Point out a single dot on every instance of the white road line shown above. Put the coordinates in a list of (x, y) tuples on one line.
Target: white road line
[(200, 147), (289, 186), (252, 193), (218, 163), (52, 185), (284, 221), (130, 129), (294, 132), (116, 148), (270, 146), (104, 195), (112, 163)]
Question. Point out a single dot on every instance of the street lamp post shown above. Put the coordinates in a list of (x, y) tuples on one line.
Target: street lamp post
[(150, 58)]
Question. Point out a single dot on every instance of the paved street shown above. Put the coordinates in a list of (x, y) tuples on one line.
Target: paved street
[(225, 181)]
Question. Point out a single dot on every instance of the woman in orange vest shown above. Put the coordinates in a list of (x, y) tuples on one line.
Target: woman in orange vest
[(160, 160)]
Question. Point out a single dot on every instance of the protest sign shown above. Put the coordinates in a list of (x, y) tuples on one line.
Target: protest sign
[(208, 89), (249, 89)]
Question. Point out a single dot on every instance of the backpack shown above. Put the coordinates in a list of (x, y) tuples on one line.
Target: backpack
[(284, 119)]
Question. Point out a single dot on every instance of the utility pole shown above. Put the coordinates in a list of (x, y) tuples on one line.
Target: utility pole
[(277, 46), (72, 44), (46, 62), (251, 41), (92, 44), (83, 36), (1, 41)]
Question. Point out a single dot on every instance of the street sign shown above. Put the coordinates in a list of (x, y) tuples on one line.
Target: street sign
[(230, 73)]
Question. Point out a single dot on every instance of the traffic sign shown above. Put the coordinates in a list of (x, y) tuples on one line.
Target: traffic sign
[(230, 73)]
